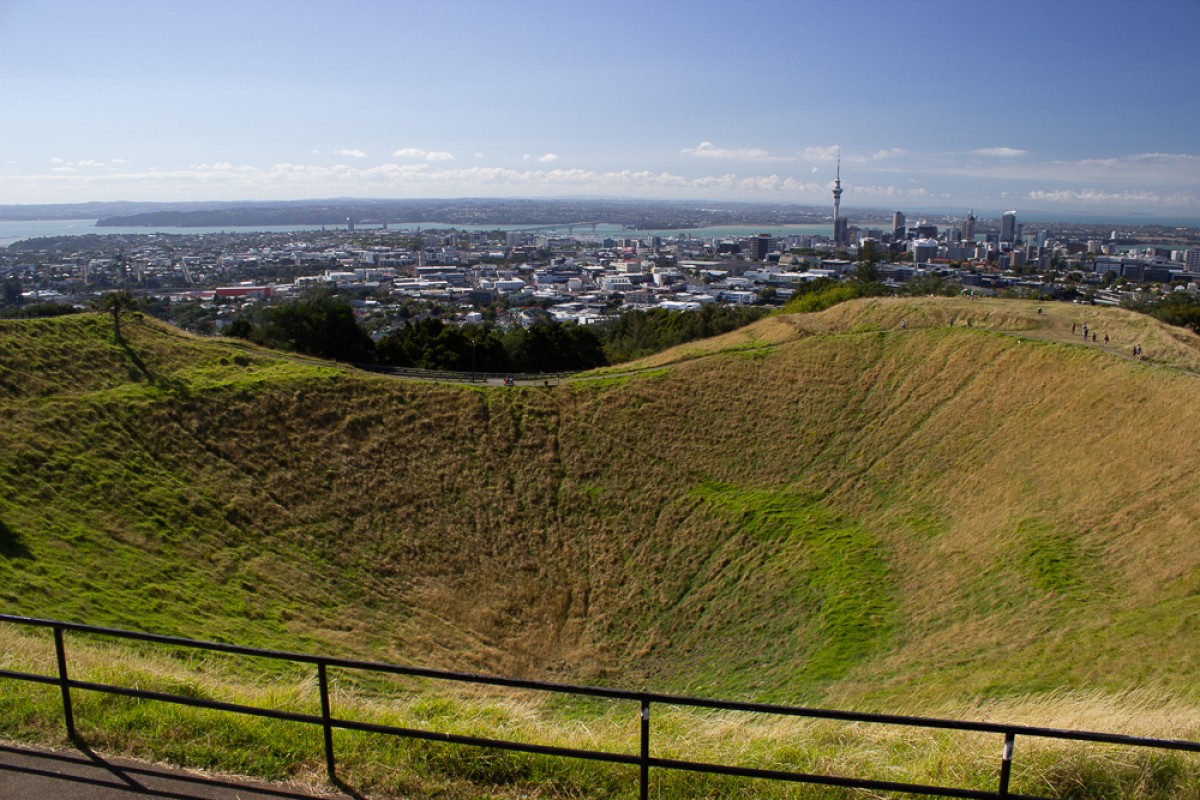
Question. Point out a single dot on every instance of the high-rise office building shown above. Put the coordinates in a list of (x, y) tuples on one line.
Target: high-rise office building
[(841, 232), (969, 227), (1008, 227), (759, 246), (898, 221)]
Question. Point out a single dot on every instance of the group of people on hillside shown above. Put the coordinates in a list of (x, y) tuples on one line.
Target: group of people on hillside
[(1137, 348)]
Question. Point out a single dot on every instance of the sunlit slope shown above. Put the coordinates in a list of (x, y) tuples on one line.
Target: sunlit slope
[(828, 507)]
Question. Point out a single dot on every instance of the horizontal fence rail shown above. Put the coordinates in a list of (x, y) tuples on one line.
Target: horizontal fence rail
[(644, 760)]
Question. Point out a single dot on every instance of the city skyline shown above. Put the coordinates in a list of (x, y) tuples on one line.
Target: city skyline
[(1067, 108)]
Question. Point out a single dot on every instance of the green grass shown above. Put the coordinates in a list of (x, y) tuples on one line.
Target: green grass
[(840, 577)]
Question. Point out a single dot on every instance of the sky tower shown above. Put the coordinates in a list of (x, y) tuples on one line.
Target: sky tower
[(839, 225)]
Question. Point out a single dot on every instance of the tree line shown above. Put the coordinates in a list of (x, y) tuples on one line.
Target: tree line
[(323, 324)]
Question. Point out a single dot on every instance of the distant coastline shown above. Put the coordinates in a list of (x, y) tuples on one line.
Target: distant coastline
[(580, 217), (15, 231), (476, 213)]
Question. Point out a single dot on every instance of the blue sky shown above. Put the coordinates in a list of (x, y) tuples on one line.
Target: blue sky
[(1056, 105)]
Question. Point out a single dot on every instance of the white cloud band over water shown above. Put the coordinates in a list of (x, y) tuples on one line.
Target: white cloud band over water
[(889, 177)]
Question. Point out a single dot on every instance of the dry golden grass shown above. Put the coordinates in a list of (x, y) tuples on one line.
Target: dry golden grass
[(1163, 344)]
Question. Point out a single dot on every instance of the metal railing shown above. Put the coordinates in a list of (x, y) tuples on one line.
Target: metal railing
[(644, 760)]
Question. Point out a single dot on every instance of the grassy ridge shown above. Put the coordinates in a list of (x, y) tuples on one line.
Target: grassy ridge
[(819, 508)]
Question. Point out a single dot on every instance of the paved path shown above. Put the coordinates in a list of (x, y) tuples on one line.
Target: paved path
[(30, 773)]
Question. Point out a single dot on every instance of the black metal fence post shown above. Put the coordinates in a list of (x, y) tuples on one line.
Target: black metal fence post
[(644, 766), (323, 684), (1006, 763), (64, 682)]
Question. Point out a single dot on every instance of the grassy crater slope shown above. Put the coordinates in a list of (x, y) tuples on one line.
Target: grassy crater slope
[(827, 508)]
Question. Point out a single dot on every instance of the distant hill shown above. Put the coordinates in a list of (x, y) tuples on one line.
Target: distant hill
[(868, 505), (466, 211)]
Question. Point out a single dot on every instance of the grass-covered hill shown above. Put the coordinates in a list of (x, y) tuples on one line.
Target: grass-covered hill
[(869, 506)]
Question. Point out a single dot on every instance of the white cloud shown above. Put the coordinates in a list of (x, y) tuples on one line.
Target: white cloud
[(820, 153), (90, 163), (774, 184), (1127, 196), (288, 180), (350, 153), (888, 191), (709, 150), (889, 153), (1000, 152), (1142, 169), (427, 155), (547, 159), (1149, 180)]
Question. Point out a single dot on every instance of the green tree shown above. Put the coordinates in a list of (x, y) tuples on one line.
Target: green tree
[(118, 304), (1177, 308), (320, 325), (554, 347), (931, 283), (12, 292), (240, 328), (36, 310), (867, 270)]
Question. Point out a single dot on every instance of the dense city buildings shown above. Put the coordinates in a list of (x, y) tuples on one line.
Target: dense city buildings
[(586, 272)]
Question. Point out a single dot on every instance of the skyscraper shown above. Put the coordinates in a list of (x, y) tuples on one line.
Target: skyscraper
[(1008, 227), (759, 246), (898, 229), (969, 227)]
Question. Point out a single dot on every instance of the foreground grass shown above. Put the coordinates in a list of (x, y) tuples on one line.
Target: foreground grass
[(391, 767)]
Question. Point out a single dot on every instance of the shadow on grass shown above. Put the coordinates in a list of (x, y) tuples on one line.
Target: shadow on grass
[(11, 544), (176, 386), (137, 361)]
